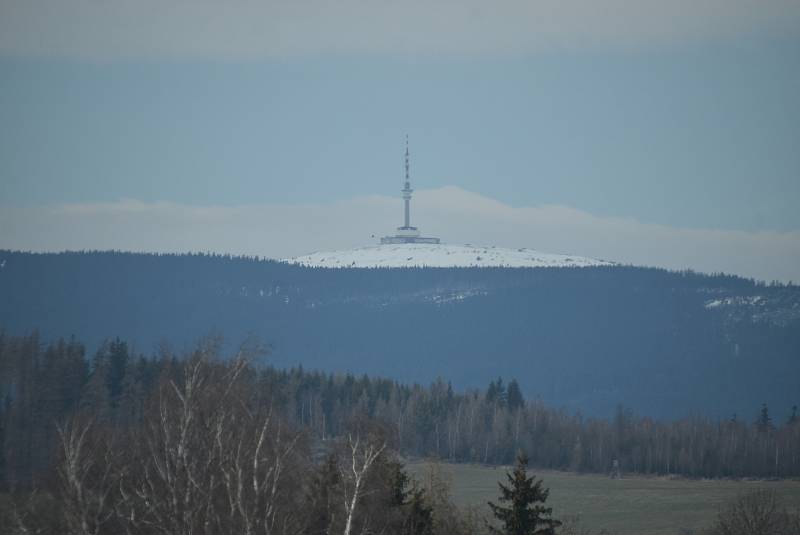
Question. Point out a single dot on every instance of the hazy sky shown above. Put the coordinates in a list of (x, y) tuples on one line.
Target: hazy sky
[(655, 120)]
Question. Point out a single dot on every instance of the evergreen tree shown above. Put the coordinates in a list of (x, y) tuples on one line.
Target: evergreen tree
[(526, 513), (95, 396), (323, 498), (792, 417), (515, 399), (419, 517), (132, 398), (3, 475), (764, 420), (74, 373), (497, 392), (115, 372), (398, 481), (412, 503)]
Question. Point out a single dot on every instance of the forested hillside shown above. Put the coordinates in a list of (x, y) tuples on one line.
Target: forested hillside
[(46, 385), (665, 344)]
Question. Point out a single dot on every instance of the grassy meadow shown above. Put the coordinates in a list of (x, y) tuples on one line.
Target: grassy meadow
[(627, 506)]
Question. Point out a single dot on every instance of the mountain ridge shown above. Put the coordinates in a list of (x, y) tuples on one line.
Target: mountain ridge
[(663, 343)]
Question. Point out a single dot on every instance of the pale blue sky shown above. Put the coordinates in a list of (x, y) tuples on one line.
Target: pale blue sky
[(686, 130)]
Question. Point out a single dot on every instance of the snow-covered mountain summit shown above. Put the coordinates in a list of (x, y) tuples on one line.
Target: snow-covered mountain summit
[(440, 255)]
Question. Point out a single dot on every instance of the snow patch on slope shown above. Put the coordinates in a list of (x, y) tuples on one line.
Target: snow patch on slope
[(440, 255)]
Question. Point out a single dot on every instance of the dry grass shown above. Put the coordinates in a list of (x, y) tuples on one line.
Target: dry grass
[(632, 505)]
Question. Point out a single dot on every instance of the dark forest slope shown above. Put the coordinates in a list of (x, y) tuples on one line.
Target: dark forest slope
[(663, 343)]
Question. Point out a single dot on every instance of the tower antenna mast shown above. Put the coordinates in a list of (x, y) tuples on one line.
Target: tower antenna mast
[(407, 233), (407, 193)]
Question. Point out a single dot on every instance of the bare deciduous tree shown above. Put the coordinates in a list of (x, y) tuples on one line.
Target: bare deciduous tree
[(756, 513), (85, 477), (363, 454), (208, 457)]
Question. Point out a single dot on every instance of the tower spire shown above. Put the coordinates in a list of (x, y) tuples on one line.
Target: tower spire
[(407, 194), (407, 179), (407, 233)]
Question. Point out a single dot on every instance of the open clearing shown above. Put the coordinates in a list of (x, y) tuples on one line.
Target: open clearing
[(632, 505)]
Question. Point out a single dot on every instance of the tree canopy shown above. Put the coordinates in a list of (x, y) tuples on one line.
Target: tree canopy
[(525, 512)]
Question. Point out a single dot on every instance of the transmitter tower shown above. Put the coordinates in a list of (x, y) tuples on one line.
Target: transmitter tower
[(407, 233)]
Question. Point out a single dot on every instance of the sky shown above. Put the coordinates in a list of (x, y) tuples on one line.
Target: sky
[(646, 132)]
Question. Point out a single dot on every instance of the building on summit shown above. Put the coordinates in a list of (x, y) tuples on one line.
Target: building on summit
[(407, 233)]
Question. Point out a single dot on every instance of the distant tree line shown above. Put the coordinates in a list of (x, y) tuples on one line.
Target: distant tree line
[(490, 426), (44, 385)]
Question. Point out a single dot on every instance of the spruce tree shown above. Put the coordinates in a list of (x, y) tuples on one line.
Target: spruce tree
[(3, 475), (117, 357), (415, 509), (764, 420), (525, 513), (323, 498), (419, 514), (515, 398), (398, 482)]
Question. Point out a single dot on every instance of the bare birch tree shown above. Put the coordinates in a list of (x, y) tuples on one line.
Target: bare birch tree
[(210, 462), (85, 477), (208, 457), (362, 455)]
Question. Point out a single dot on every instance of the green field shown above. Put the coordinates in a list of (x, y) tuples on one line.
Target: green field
[(628, 506)]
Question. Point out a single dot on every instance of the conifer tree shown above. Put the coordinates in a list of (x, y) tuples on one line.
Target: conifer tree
[(3, 475), (323, 498), (398, 482), (525, 513), (416, 512), (496, 393), (95, 396), (419, 517), (515, 398), (117, 359), (764, 419)]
